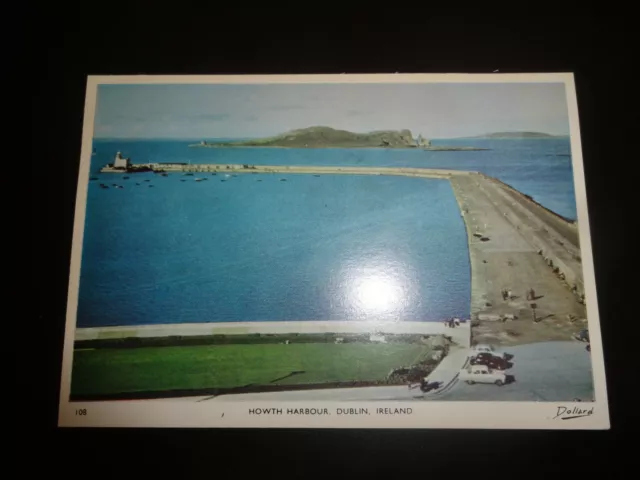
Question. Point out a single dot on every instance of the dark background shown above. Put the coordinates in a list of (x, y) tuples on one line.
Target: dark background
[(60, 45)]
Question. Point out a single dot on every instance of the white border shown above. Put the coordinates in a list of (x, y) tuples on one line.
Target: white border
[(433, 414)]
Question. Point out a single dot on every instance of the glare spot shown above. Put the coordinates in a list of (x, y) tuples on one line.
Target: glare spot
[(378, 294)]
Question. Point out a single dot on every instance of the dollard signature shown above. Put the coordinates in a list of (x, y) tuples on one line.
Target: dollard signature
[(570, 413)]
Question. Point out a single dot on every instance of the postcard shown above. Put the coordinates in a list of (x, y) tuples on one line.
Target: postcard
[(332, 251)]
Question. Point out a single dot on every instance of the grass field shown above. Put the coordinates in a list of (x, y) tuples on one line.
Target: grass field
[(107, 371)]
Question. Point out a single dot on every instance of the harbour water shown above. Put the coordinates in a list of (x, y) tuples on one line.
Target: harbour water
[(256, 248)]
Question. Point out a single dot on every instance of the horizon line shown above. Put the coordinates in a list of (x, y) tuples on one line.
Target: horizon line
[(200, 138)]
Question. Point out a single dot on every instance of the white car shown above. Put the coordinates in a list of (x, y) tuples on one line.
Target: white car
[(482, 374), (483, 348)]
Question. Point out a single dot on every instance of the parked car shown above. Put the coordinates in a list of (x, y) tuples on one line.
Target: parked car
[(497, 363), (489, 349), (483, 374), (426, 386), (588, 348)]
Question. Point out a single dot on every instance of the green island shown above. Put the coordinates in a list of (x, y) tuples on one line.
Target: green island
[(327, 137), (219, 364)]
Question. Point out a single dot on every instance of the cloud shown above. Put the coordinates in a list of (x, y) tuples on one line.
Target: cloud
[(357, 113), (281, 108), (211, 117)]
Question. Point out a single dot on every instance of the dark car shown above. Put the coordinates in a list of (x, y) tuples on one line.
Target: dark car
[(428, 386), (490, 361)]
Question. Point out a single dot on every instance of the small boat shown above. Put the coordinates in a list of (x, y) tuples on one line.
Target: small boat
[(147, 180), (259, 180), (93, 178), (188, 174), (283, 179), (223, 180), (199, 179), (149, 186), (119, 186), (103, 186), (125, 178), (214, 173), (164, 174), (138, 184), (182, 180), (227, 175), (234, 175), (316, 175)]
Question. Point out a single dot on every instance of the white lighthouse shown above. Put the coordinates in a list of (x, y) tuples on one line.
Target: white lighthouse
[(120, 162)]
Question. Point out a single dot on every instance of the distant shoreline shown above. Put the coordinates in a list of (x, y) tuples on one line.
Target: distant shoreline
[(510, 137), (428, 149)]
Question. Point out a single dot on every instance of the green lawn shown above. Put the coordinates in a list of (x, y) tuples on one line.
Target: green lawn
[(106, 371)]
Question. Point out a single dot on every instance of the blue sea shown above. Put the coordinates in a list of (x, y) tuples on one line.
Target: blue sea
[(257, 248)]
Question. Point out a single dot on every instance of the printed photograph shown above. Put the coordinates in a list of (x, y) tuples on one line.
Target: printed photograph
[(413, 242)]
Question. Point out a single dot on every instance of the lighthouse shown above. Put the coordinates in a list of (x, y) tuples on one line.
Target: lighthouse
[(423, 142), (120, 162)]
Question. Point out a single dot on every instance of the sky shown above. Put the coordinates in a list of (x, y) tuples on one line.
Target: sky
[(441, 110)]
